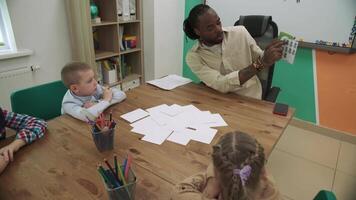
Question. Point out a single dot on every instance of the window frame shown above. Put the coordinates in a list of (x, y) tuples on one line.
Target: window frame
[(6, 30)]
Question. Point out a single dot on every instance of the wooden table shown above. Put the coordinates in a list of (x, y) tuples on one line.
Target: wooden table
[(62, 165)]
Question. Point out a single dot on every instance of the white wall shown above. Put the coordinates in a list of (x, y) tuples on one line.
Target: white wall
[(329, 20), (148, 38), (163, 37), (39, 25)]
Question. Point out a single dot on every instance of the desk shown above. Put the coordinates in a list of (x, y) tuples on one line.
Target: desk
[(62, 165)]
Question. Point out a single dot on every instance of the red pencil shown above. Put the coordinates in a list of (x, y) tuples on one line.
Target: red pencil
[(111, 169)]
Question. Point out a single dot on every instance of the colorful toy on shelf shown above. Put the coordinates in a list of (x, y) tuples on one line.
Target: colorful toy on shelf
[(94, 12)]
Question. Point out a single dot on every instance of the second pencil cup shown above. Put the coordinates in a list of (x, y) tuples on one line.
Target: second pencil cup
[(104, 140), (125, 192)]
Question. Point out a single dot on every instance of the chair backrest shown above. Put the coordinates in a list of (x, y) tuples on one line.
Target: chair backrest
[(325, 195), (42, 101), (263, 30)]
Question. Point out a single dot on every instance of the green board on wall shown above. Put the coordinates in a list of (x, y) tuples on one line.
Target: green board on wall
[(297, 84), (188, 43)]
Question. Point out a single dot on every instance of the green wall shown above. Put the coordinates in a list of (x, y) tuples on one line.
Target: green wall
[(188, 43), (297, 84)]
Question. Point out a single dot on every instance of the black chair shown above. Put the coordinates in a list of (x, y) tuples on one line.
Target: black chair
[(263, 30)]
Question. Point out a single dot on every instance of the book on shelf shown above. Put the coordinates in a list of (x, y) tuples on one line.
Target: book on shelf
[(99, 72), (130, 41), (121, 34)]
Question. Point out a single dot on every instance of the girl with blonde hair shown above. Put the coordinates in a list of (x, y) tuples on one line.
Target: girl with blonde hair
[(237, 173)]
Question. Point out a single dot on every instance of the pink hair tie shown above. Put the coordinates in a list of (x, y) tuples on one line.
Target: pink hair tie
[(244, 173)]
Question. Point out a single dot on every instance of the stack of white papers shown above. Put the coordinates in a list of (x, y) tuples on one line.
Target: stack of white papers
[(174, 123), (170, 82)]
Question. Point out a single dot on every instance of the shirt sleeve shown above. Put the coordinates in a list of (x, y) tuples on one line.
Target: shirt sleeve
[(98, 108), (27, 128), (191, 188), (81, 113), (211, 77), (117, 96), (256, 51)]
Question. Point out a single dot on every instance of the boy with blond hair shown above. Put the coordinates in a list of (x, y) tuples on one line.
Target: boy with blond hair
[(85, 98)]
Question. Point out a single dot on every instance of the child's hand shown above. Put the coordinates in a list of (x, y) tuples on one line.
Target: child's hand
[(3, 163), (8, 151), (212, 189), (107, 95), (88, 104)]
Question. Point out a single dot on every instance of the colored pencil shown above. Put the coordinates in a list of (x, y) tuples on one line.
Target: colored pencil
[(111, 169)]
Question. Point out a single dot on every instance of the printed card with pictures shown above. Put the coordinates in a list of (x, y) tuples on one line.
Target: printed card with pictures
[(290, 48)]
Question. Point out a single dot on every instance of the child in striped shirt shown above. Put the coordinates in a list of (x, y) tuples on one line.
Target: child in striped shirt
[(27, 130)]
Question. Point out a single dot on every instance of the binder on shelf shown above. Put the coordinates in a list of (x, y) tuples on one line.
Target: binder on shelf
[(109, 73), (125, 10), (118, 67), (132, 9), (123, 67), (119, 9)]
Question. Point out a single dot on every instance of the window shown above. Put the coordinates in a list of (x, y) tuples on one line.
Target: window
[(7, 39)]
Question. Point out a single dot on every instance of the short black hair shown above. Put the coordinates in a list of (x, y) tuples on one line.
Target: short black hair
[(192, 21)]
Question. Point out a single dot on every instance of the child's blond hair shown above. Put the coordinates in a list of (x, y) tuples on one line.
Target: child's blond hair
[(239, 160), (70, 73)]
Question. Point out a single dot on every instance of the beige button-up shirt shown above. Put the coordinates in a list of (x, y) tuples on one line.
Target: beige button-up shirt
[(220, 69)]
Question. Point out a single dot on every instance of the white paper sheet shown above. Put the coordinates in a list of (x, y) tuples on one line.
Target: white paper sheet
[(181, 137), (204, 134), (173, 110), (218, 121), (158, 108), (145, 122), (134, 115), (178, 124), (170, 82), (156, 135)]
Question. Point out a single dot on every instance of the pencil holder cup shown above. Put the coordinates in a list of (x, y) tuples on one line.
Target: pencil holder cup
[(104, 139), (121, 192)]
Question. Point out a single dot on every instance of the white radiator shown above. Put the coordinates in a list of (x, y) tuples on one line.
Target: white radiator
[(14, 79), (12, 73)]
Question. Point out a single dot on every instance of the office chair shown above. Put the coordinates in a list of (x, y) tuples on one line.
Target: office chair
[(42, 101), (325, 195), (263, 30)]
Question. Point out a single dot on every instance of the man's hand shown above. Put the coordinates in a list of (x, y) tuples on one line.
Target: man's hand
[(212, 189), (3, 163), (273, 53), (8, 151), (107, 95)]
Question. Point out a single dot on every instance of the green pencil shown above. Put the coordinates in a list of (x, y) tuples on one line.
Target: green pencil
[(122, 177), (101, 172), (116, 166)]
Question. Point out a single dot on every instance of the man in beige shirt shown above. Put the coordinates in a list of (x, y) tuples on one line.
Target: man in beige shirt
[(226, 59)]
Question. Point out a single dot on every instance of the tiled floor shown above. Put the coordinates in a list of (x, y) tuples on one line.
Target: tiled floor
[(305, 162)]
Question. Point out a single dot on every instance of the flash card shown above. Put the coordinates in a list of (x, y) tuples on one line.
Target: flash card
[(290, 48)]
